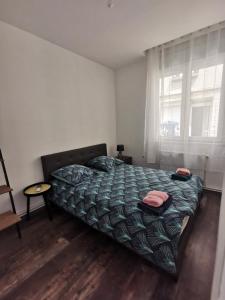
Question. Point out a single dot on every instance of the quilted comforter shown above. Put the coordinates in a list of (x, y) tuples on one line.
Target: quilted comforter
[(108, 202)]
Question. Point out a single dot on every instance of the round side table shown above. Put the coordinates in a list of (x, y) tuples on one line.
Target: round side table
[(38, 189)]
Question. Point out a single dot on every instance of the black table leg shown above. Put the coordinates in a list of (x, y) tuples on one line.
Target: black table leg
[(28, 208), (48, 208)]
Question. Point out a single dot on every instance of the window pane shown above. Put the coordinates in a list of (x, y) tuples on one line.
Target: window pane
[(170, 105), (205, 101), (199, 120)]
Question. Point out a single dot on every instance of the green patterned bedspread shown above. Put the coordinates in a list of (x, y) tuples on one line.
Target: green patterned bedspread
[(108, 202)]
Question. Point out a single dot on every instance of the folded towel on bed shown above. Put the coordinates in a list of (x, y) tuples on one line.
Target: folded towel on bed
[(183, 171), (163, 195), (153, 201), (176, 176), (156, 210), (155, 198)]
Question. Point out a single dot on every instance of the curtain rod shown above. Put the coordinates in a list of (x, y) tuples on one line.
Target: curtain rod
[(196, 33)]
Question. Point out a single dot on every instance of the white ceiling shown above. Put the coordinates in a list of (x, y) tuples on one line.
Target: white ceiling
[(116, 36)]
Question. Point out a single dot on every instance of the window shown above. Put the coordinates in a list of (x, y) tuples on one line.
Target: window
[(190, 102), (185, 97), (205, 101), (170, 105)]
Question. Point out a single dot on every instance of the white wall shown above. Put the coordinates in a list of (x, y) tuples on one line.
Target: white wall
[(130, 95), (50, 100), (218, 287)]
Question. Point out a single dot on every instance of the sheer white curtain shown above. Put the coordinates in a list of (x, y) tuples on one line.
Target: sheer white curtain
[(185, 102), (152, 118)]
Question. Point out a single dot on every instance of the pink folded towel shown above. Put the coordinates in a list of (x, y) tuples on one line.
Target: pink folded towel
[(153, 201), (163, 195), (183, 171), (155, 198)]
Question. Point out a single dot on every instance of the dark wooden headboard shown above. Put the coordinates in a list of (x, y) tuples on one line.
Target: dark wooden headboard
[(79, 156)]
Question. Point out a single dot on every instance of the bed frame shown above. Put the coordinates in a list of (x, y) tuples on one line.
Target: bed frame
[(81, 156)]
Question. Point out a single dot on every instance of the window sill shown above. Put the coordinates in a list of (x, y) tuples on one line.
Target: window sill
[(206, 141)]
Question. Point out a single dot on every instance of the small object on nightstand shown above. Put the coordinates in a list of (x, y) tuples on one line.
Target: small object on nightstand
[(126, 159), (37, 189), (120, 149)]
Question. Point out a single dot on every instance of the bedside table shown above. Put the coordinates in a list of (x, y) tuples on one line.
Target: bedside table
[(37, 189), (126, 159)]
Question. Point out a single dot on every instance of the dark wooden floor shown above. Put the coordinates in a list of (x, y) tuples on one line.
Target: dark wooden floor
[(65, 259)]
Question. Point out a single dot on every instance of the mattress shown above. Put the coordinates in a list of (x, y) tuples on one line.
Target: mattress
[(108, 202)]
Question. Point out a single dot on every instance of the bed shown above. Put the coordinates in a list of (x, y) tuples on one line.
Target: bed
[(108, 203)]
